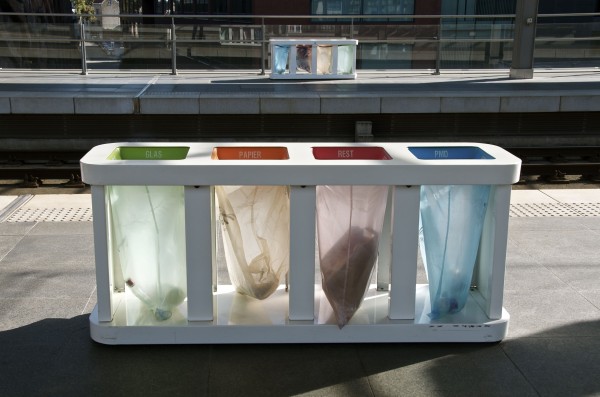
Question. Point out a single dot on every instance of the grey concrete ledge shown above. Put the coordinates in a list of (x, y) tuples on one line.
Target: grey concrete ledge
[(105, 105), (42, 105), (156, 105), (229, 104), (284, 104), (238, 93), (583, 103), (410, 104), (4, 105), (524, 104), (470, 105), (350, 105)]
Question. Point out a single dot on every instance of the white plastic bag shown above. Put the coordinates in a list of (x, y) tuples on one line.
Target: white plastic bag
[(451, 222), (256, 236), (148, 232), (324, 58), (349, 222)]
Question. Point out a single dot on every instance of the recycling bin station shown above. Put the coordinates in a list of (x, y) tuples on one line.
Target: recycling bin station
[(159, 217), (313, 58)]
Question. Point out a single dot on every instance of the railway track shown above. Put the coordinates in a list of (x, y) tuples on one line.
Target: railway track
[(559, 165)]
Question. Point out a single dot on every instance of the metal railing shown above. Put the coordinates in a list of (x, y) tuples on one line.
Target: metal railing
[(240, 42)]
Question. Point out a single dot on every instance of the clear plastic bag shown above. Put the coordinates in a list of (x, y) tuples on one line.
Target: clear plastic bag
[(148, 232), (451, 223), (349, 222), (256, 236), (345, 59)]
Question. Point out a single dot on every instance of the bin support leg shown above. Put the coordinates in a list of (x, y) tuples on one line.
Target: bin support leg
[(198, 248), (405, 240), (302, 252), (104, 276)]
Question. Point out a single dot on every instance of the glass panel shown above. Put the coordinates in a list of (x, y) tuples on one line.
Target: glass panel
[(567, 45), (39, 42)]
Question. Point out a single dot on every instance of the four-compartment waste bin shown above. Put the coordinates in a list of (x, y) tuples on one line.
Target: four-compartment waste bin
[(313, 212)]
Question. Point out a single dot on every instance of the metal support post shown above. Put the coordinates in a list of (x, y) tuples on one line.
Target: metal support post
[(82, 44), (173, 49), (263, 52), (524, 40)]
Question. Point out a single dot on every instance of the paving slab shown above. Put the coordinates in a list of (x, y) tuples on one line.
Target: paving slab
[(573, 195)]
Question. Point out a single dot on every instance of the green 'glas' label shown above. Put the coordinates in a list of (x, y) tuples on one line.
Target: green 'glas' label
[(149, 153)]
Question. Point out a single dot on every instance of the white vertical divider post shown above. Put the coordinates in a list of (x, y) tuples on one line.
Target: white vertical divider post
[(355, 48), (302, 252), (405, 242), (293, 52), (385, 245), (334, 59), (214, 224), (313, 59), (491, 259), (104, 276), (198, 249)]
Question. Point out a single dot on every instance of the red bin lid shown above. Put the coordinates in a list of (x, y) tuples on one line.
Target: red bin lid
[(350, 153)]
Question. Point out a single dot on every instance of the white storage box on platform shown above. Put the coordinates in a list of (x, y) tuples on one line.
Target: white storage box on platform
[(313, 58), (156, 261)]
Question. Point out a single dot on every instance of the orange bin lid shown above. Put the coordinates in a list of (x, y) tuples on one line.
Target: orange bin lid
[(250, 153), (350, 153)]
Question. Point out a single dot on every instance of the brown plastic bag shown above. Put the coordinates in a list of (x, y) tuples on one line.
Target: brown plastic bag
[(349, 222)]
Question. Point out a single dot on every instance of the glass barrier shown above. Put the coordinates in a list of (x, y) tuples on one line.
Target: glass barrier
[(567, 45), (210, 42)]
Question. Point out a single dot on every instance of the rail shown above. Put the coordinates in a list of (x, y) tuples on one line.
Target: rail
[(176, 43)]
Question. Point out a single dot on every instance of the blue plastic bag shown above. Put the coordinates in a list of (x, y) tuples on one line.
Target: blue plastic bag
[(280, 56), (450, 225)]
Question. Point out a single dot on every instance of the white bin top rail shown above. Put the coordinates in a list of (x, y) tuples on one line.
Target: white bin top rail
[(315, 41), (405, 166)]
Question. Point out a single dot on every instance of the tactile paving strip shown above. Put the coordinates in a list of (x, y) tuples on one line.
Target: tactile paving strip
[(51, 215), (516, 210), (554, 209)]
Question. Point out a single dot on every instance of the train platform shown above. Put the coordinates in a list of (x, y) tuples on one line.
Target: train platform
[(249, 92), (552, 292)]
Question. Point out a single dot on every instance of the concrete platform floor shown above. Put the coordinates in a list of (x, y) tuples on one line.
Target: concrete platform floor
[(552, 292)]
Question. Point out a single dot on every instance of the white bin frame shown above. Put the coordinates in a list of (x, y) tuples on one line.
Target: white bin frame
[(292, 72), (397, 315)]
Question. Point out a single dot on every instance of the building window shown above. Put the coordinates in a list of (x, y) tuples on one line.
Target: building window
[(364, 7)]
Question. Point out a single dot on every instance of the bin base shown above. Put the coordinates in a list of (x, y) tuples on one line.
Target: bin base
[(239, 319)]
